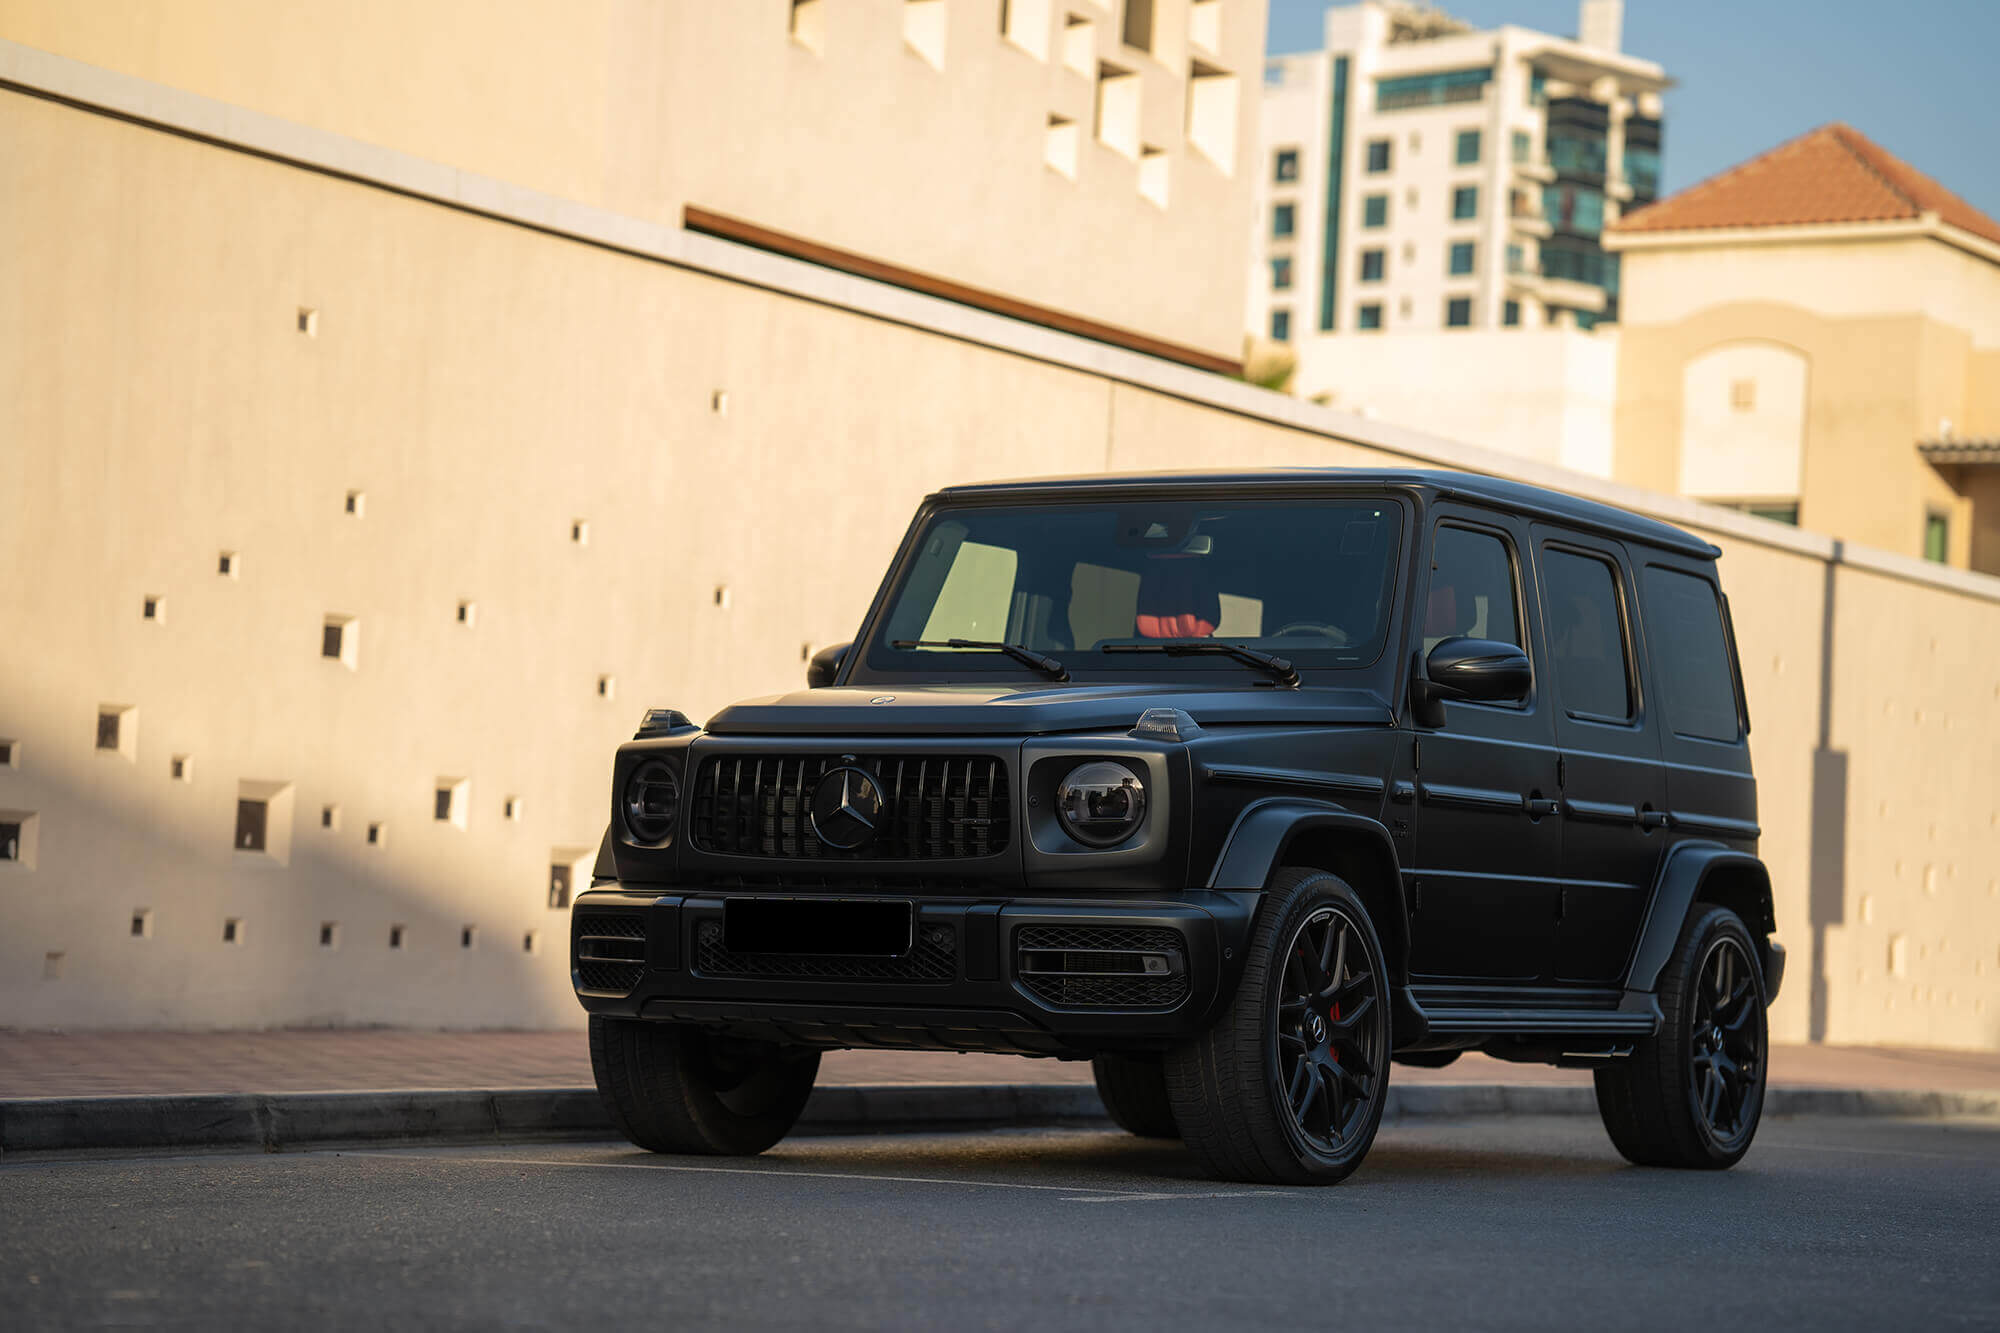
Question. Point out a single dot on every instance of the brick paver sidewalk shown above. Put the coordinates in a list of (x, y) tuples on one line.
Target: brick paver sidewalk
[(42, 1064)]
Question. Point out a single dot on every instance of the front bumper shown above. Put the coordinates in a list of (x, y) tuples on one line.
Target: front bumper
[(967, 986)]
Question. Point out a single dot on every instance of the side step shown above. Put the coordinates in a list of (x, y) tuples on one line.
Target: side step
[(1542, 1022)]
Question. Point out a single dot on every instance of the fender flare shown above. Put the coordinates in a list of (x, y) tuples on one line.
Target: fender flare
[(1264, 833), (1676, 890), (606, 865)]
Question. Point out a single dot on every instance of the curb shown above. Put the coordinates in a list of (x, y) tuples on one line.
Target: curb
[(278, 1122)]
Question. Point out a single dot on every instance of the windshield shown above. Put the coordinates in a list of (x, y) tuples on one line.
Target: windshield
[(1308, 581)]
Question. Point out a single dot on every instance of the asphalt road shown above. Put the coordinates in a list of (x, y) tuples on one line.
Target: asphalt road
[(1830, 1223)]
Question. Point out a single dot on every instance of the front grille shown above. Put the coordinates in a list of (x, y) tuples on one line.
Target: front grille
[(1054, 963), (935, 807), (609, 949), (933, 961)]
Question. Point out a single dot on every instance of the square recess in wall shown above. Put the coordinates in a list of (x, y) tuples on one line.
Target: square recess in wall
[(233, 929), (154, 608), (329, 818), (10, 753), (357, 503), (565, 873), (398, 934), (449, 799), (378, 834), (229, 565), (468, 613), (142, 923), (531, 942), (809, 24), (579, 531), (52, 965), (510, 809), (340, 640), (181, 768), (263, 823), (19, 839), (308, 321), (118, 731), (329, 934), (607, 687), (468, 937)]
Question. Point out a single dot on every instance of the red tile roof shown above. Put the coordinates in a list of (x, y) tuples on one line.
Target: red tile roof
[(1833, 174)]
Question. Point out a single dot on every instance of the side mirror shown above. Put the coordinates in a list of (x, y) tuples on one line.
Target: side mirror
[(825, 665), (1478, 670)]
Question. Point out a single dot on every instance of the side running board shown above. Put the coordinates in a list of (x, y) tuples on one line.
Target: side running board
[(1542, 1022)]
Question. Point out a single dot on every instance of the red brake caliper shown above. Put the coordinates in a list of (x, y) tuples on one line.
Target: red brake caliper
[(1335, 1016)]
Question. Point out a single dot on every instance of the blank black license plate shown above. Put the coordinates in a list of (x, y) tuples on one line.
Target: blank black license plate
[(842, 926)]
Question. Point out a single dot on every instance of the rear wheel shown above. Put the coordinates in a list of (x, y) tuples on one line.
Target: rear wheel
[(1288, 1085), (677, 1089), (1134, 1089), (1692, 1095)]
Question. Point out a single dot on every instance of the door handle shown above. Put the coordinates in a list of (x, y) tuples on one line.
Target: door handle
[(1652, 819), (1539, 806)]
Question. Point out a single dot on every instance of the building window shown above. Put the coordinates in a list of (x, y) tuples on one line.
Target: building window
[(1466, 151), (252, 818), (1285, 165), (1378, 155), (1743, 395), (227, 565), (10, 754), (377, 834), (329, 934), (1510, 314), (1284, 220), (1281, 326), (181, 768), (357, 502), (340, 639), (1465, 203), (397, 933), (107, 729), (1444, 89), (1461, 258), (1373, 264), (1368, 316), (10, 840), (329, 817), (1458, 312), (232, 930), (155, 609), (1577, 209), (1375, 211), (142, 923), (1281, 274), (1937, 538), (559, 885), (1524, 145)]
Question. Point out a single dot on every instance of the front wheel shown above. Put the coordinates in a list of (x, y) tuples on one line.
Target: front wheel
[(1287, 1086), (1692, 1095), (677, 1089), (1134, 1090)]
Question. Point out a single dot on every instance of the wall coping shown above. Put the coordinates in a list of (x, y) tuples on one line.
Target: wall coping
[(38, 73)]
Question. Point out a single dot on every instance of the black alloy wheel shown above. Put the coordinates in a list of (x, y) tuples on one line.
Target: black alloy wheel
[(1287, 1086), (1726, 1040), (1692, 1095), (1329, 1044)]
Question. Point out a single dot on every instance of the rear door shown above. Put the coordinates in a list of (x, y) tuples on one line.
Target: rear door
[(1614, 797), (1483, 871)]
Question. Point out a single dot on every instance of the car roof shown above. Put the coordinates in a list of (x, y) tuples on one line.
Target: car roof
[(1515, 496)]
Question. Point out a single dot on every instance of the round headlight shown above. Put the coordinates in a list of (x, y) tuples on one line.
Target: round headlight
[(652, 799), (1101, 803)]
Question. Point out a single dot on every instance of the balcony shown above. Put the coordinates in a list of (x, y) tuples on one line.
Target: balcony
[(1528, 223), (1536, 169), (1566, 293), (1619, 188)]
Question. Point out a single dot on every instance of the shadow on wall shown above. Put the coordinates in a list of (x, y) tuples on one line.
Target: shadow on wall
[(1828, 872), (211, 940)]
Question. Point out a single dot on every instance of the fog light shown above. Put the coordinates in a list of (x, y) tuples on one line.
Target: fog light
[(1156, 965), (1101, 803)]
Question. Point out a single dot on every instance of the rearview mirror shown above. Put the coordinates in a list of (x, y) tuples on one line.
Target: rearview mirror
[(825, 665), (1476, 670)]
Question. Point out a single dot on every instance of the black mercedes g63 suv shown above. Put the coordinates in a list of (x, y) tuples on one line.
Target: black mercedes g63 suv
[(1240, 786)]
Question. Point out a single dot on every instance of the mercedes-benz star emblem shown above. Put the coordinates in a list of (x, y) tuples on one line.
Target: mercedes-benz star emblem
[(846, 807)]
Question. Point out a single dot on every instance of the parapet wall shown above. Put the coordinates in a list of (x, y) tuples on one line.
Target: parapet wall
[(660, 470)]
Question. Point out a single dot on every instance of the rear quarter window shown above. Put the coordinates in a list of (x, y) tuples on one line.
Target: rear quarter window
[(1690, 653)]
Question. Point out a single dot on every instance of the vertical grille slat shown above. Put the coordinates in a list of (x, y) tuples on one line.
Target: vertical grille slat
[(935, 807)]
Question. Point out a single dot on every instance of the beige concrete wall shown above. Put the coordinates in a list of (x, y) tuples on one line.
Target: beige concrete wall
[(486, 385), (644, 106)]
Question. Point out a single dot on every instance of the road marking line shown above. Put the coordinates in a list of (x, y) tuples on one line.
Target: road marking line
[(1160, 1198)]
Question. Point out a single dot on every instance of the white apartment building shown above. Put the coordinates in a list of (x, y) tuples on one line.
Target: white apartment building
[(1420, 175)]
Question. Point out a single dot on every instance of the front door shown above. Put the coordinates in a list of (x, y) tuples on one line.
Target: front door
[(1487, 842), (1614, 795)]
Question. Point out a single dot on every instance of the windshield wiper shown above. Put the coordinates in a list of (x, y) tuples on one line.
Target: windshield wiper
[(1048, 666), (1280, 668)]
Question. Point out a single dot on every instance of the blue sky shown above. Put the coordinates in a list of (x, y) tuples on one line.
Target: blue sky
[(1916, 76)]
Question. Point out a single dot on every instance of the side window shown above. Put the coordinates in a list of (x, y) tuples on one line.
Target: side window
[(1473, 590), (1691, 654), (1586, 634)]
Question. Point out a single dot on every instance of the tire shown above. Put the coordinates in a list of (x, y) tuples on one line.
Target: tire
[(1134, 1089), (1279, 1091), (1691, 1096), (677, 1089)]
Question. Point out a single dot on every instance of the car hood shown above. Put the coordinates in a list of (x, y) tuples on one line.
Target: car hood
[(1027, 710)]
